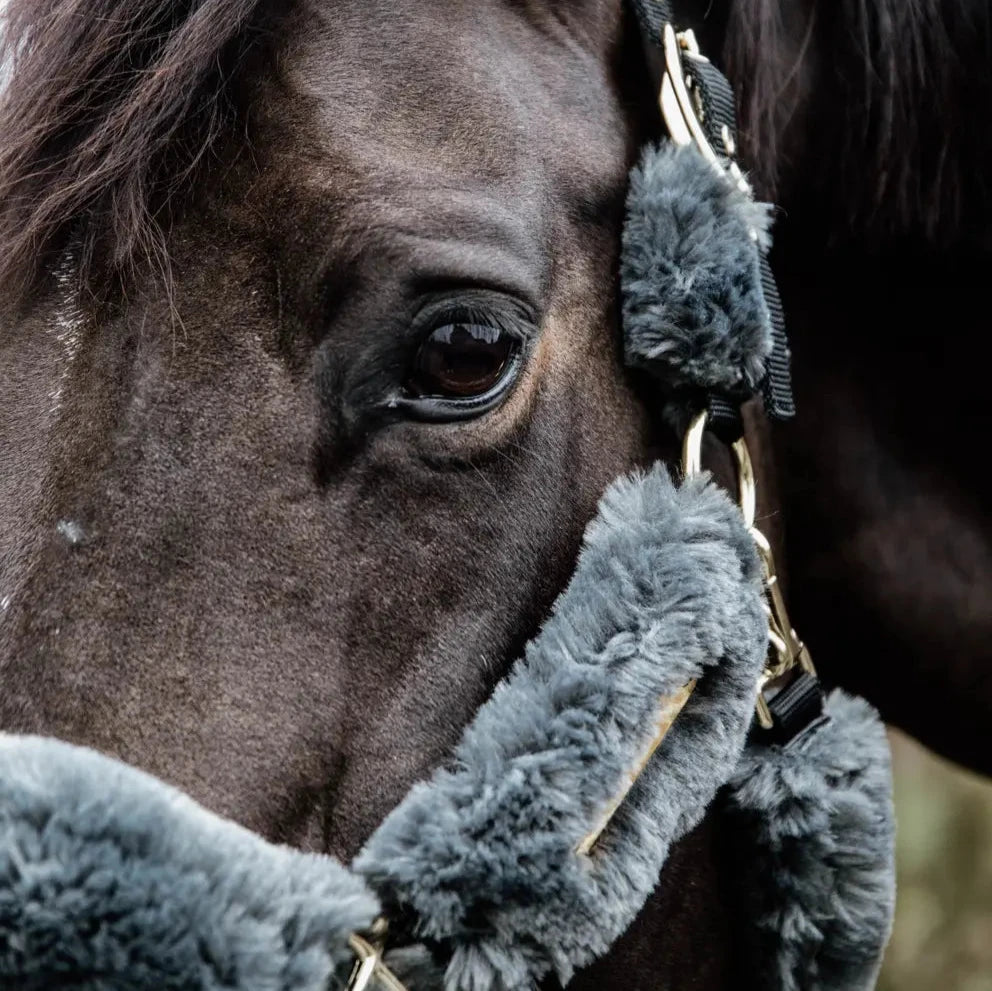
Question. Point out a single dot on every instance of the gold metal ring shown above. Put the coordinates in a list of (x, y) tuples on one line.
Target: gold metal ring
[(692, 446), (786, 649), (747, 489), (369, 970), (692, 464)]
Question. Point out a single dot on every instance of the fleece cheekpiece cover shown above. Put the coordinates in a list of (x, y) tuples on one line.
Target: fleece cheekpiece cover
[(694, 312)]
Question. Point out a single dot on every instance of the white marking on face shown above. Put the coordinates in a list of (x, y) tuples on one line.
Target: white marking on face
[(5, 603), (70, 531), (68, 324)]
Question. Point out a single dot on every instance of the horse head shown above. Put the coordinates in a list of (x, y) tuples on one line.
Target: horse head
[(310, 379), (280, 507)]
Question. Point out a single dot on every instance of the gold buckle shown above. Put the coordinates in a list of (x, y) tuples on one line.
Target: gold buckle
[(682, 111), (786, 651), (369, 971)]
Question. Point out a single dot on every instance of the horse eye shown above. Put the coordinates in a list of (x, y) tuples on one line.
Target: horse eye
[(462, 361)]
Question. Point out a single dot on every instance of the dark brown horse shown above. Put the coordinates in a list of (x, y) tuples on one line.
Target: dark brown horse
[(242, 245)]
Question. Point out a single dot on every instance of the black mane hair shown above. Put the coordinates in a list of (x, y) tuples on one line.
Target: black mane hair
[(884, 103), (110, 105), (108, 108)]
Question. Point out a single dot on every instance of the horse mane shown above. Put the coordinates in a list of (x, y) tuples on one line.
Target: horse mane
[(882, 102), (107, 108)]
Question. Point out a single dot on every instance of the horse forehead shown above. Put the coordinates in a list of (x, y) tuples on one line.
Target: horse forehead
[(402, 101), (421, 119), (475, 86)]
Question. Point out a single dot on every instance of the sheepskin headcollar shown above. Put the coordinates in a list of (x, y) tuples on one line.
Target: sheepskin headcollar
[(110, 879)]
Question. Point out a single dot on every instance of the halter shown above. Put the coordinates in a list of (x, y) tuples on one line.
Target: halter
[(628, 717), (697, 106)]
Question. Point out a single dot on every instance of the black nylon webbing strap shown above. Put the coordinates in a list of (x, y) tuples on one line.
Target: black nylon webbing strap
[(653, 15), (724, 418), (795, 709), (717, 97), (777, 385)]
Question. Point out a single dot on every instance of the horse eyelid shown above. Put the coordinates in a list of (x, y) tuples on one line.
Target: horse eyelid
[(480, 307)]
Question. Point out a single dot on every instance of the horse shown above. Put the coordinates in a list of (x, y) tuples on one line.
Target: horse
[(311, 379)]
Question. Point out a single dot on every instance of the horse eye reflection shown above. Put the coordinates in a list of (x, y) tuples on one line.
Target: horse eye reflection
[(462, 360)]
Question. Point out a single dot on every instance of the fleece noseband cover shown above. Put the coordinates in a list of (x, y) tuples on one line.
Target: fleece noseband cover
[(110, 879), (667, 591)]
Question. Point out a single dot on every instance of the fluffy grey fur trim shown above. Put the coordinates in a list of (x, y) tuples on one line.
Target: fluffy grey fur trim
[(110, 879), (667, 589), (693, 309), (817, 831)]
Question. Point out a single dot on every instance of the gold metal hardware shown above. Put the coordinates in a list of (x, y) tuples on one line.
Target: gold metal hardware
[(692, 446), (728, 141), (785, 650), (369, 971), (681, 109), (747, 487), (692, 464)]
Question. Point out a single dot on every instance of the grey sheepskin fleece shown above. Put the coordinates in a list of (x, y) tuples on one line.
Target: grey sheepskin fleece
[(693, 308), (816, 833), (667, 590), (112, 881)]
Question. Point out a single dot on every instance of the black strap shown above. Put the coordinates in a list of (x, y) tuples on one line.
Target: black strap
[(777, 385), (795, 709), (717, 97), (653, 15)]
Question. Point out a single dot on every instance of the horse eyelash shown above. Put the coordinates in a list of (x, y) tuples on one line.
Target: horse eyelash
[(509, 317)]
